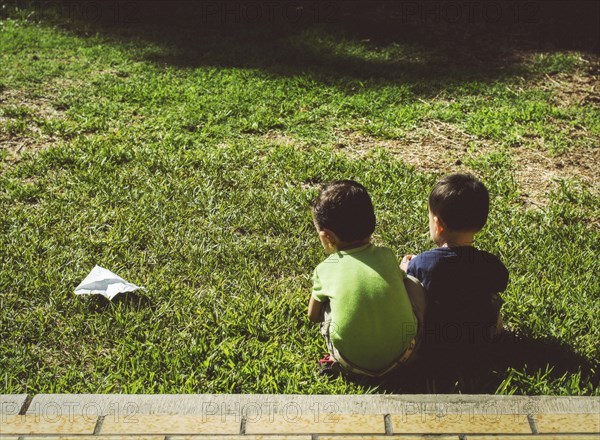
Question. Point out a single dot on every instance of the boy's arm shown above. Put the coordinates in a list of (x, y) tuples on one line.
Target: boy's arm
[(316, 306), (315, 310)]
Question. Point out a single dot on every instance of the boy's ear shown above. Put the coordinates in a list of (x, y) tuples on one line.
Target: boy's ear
[(439, 224), (328, 236)]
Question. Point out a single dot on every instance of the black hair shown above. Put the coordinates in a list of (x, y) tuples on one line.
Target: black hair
[(461, 202), (345, 208)]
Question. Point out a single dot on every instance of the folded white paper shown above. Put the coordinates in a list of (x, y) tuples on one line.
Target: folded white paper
[(103, 282)]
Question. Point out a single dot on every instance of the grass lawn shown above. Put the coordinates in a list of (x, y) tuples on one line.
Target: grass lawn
[(184, 160)]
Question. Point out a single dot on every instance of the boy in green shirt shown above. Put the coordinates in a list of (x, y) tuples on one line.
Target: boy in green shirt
[(359, 290)]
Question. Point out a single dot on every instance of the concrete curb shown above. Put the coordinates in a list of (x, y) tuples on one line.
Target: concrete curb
[(298, 417), (11, 404), (92, 405)]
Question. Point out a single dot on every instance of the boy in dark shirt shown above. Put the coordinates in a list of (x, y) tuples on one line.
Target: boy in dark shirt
[(462, 283)]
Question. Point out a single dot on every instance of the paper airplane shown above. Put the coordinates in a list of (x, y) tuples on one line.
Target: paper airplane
[(103, 282)]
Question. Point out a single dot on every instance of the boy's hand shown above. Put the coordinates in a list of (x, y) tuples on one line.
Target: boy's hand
[(404, 262)]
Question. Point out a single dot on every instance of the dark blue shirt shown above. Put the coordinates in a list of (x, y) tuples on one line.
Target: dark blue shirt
[(462, 286)]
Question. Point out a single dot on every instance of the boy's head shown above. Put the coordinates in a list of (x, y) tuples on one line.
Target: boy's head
[(460, 202), (344, 208)]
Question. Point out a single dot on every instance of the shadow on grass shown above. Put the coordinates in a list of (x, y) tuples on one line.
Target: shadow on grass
[(484, 369), (130, 301), (390, 41)]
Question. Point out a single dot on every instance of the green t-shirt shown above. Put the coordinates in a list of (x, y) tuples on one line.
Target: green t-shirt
[(372, 321)]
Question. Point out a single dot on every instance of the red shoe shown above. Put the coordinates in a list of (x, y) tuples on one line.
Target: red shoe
[(327, 360), (327, 366)]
